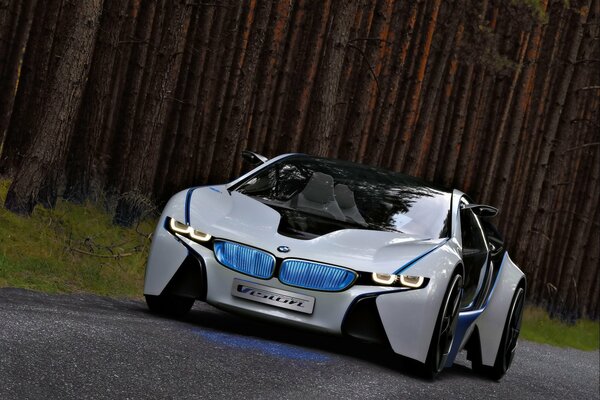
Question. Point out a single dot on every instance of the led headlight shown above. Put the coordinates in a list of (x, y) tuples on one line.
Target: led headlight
[(412, 281), (185, 230), (398, 280), (384, 279)]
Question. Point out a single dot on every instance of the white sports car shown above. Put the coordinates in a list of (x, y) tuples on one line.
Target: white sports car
[(347, 249)]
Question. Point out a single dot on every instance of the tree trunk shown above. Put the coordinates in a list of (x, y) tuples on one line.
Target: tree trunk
[(221, 88), (235, 130), (537, 219), (421, 141), (409, 123), (169, 155), (142, 162), (133, 94), (324, 98), (394, 71), (91, 124), (295, 124), (62, 99), (10, 11), (260, 121), (33, 79), (10, 73), (357, 126), (285, 79)]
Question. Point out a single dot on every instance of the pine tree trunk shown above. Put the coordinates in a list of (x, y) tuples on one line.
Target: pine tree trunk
[(260, 121), (10, 73), (421, 140), (552, 127), (33, 78), (221, 88), (10, 11), (91, 124), (133, 94), (537, 220), (322, 110), (236, 130), (172, 142), (411, 113), (387, 109), (294, 127), (62, 99), (276, 143), (368, 85), (143, 159)]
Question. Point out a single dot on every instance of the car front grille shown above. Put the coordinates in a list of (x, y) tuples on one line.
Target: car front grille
[(244, 259), (299, 273), (310, 275)]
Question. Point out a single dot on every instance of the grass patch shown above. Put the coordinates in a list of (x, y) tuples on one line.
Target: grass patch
[(72, 248), (538, 327)]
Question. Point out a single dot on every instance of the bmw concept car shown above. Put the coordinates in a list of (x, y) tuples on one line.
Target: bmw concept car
[(346, 249)]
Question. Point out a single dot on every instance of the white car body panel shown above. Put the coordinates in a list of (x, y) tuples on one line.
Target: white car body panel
[(242, 219), (493, 317), (408, 316), (166, 254)]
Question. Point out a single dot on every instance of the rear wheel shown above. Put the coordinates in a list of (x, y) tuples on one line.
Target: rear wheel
[(171, 305), (445, 327), (508, 343)]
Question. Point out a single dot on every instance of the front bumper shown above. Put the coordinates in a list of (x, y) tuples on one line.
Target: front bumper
[(388, 315)]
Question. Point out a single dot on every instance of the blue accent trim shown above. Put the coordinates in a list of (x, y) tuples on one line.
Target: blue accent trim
[(244, 259), (214, 189), (467, 318), (310, 275), (188, 198), (415, 260)]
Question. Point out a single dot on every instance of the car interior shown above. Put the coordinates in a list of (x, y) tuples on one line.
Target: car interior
[(321, 197)]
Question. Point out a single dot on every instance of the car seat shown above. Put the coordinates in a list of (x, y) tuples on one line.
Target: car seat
[(345, 199), (318, 197)]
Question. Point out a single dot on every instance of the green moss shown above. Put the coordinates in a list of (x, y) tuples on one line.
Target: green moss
[(72, 248), (538, 327)]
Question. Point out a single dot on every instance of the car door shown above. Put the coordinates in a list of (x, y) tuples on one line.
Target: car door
[(475, 255)]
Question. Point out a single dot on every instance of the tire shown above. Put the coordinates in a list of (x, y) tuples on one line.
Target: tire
[(445, 328), (170, 305), (508, 342)]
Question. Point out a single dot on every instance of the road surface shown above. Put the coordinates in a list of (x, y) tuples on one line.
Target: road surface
[(85, 346)]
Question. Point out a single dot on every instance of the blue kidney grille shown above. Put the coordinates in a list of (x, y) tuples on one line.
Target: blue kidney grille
[(315, 276), (245, 259)]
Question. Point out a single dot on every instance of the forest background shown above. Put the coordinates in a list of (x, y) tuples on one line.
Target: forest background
[(125, 102)]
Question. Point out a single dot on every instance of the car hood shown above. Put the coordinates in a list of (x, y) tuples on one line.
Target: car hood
[(237, 217)]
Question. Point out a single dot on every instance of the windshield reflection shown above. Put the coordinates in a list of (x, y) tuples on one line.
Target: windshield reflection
[(316, 196)]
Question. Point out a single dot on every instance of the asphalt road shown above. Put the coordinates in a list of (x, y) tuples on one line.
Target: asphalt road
[(83, 346)]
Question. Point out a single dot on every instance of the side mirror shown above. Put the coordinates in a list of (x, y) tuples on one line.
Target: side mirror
[(253, 158), (481, 210)]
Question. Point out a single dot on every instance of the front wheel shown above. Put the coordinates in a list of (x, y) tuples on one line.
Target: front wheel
[(445, 327), (171, 305), (508, 343)]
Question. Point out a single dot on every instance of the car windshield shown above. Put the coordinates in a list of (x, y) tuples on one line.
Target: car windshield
[(316, 196)]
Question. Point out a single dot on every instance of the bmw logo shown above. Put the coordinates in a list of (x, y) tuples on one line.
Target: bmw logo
[(283, 249)]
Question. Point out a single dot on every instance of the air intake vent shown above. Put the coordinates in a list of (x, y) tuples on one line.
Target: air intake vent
[(244, 259), (315, 276)]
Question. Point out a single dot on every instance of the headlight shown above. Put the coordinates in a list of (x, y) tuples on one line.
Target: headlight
[(385, 279), (175, 226), (412, 281), (398, 280)]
